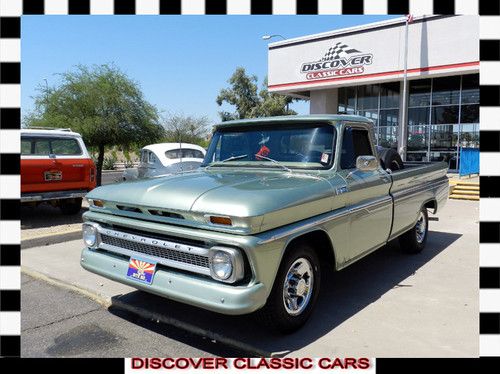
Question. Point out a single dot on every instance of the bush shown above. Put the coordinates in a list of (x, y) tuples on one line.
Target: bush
[(109, 163), (128, 164)]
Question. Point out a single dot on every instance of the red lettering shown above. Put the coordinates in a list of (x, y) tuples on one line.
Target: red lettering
[(239, 363), (350, 362), (137, 363), (196, 363), (181, 363), (155, 363), (221, 362), (306, 363), (337, 362), (363, 363), (324, 363)]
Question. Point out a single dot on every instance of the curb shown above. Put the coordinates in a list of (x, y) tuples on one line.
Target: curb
[(115, 302), (102, 300), (48, 239)]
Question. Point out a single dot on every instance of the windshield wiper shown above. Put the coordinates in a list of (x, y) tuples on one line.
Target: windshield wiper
[(274, 161), (226, 160)]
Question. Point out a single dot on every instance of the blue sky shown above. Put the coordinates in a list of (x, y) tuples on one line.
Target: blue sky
[(180, 62)]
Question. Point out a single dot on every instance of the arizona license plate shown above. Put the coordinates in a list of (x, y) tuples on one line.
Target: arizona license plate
[(141, 270), (52, 175)]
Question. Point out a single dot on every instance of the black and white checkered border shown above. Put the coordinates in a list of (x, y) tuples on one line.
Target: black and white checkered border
[(10, 98)]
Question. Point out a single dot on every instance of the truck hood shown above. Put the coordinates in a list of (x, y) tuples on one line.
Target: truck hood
[(269, 198)]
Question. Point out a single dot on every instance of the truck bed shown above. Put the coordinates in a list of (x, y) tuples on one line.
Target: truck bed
[(418, 183)]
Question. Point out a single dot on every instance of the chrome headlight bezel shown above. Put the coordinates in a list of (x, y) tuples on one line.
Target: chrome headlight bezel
[(237, 264), (93, 227)]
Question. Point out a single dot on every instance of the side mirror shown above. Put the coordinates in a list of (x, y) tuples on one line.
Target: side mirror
[(366, 163)]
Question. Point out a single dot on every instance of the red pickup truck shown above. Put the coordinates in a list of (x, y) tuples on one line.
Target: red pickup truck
[(55, 168)]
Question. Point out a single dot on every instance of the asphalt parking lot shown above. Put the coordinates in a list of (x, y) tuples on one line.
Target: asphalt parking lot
[(69, 324), (387, 305)]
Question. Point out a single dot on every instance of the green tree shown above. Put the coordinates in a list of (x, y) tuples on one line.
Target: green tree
[(186, 129), (272, 104), (249, 103), (102, 104)]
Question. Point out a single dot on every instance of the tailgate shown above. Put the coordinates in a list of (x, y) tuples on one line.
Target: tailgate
[(44, 175)]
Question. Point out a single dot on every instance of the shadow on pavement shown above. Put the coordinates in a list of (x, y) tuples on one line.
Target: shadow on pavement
[(46, 215), (343, 294)]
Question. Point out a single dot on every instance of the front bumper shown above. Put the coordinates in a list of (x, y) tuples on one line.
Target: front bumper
[(206, 294)]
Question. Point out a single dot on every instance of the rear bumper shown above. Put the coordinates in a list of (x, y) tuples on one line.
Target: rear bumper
[(54, 195), (206, 294)]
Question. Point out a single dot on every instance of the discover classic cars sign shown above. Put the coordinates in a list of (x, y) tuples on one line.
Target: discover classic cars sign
[(339, 60)]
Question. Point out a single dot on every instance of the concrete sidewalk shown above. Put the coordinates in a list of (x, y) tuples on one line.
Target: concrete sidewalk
[(386, 305)]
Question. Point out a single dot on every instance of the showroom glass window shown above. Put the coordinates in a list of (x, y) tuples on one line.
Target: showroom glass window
[(380, 103), (443, 115)]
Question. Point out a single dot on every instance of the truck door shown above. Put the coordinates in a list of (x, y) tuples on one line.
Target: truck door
[(367, 192)]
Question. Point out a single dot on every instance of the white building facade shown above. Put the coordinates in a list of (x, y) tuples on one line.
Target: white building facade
[(361, 70)]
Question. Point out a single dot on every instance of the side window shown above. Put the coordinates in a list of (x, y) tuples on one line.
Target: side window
[(65, 147), (45, 146), (152, 158), (25, 146), (191, 153), (42, 147), (172, 154), (144, 156), (356, 142)]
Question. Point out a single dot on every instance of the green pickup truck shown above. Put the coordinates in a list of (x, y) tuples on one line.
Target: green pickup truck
[(276, 203)]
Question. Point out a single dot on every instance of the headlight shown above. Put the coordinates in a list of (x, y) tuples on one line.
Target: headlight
[(90, 235), (222, 265), (226, 264)]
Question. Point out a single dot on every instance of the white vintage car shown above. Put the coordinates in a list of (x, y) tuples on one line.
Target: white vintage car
[(166, 158)]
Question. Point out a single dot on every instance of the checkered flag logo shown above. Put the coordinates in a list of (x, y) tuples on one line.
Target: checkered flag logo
[(337, 51)]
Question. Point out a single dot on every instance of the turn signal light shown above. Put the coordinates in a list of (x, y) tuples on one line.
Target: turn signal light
[(98, 203), (218, 220)]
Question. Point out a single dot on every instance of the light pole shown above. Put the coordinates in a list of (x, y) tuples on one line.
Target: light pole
[(267, 37), (404, 114)]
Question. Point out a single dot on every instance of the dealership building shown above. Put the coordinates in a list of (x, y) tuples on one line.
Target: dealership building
[(361, 70)]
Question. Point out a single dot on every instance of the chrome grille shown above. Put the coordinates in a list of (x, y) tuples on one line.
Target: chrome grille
[(155, 251)]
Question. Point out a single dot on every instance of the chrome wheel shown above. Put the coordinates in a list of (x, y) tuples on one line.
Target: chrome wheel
[(421, 228), (298, 286)]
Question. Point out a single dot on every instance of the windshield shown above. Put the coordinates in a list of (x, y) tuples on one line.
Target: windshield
[(306, 146)]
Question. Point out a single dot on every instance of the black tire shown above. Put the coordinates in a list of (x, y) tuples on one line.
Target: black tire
[(390, 159), (274, 314), (70, 206), (412, 240)]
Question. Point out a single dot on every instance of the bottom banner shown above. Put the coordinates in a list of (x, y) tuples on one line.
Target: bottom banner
[(240, 365)]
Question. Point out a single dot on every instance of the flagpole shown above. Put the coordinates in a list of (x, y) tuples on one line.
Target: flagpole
[(404, 116)]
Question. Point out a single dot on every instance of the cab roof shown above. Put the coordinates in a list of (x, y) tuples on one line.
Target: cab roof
[(328, 118), (161, 148), (50, 132)]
